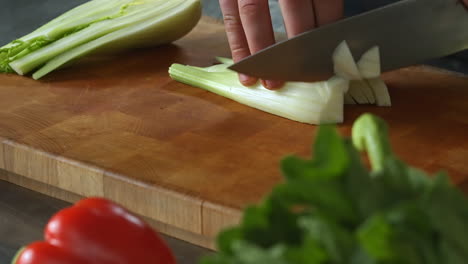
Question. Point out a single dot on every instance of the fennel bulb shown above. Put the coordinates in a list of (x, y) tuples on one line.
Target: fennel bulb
[(99, 26)]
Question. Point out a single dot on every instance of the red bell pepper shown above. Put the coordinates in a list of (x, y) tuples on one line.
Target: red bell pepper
[(97, 231)]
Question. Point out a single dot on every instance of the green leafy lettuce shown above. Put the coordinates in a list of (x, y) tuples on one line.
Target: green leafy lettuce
[(332, 209)]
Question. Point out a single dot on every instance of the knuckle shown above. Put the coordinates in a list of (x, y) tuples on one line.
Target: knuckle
[(238, 51), (232, 23), (250, 7)]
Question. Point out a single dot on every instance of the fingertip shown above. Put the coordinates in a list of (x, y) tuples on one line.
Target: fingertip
[(247, 80), (272, 84)]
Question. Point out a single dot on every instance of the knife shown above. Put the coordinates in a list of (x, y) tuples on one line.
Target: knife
[(407, 32)]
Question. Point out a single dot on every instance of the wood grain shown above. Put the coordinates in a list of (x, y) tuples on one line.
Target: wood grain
[(2, 158), (119, 127), (39, 187)]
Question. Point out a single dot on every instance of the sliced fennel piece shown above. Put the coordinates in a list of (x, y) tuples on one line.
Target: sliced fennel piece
[(357, 93), (369, 64), (382, 95), (164, 28), (366, 89), (312, 103), (348, 99), (372, 89), (344, 63), (133, 16)]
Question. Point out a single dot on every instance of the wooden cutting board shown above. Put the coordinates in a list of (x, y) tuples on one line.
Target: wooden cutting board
[(190, 160)]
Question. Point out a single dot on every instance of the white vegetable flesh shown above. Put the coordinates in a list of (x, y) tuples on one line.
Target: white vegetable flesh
[(369, 64), (372, 89), (344, 63), (382, 96)]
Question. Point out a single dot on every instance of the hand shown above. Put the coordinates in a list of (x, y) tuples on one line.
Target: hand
[(249, 29), (465, 2)]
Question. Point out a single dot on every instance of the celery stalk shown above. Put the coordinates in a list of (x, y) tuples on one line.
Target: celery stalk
[(312, 103)]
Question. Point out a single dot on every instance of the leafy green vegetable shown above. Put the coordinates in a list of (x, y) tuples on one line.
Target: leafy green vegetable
[(333, 210), (99, 25)]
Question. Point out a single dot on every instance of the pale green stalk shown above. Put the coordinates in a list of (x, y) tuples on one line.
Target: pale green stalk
[(164, 27), (133, 16), (313, 103)]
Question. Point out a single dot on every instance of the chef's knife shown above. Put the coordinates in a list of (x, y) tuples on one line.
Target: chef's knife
[(407, 32)]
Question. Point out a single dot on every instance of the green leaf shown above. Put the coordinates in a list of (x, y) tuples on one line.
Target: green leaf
[(330, 158), (332, 237), (269, 224), (227, 237), (376, 237), (447, 208), (451, 255), (328, 197), (310, 252), (247, 253)]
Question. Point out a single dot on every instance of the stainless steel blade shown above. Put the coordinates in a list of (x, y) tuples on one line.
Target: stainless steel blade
[(408, 32)]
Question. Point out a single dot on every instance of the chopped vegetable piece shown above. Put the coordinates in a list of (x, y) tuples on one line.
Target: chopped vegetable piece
[(369, 64), (344, 63), (382, 96), (372, 89)]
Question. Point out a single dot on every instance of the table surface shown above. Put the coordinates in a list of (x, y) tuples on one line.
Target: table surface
[(24, 213)]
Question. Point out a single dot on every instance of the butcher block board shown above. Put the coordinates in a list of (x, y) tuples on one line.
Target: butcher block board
[(187, 159)]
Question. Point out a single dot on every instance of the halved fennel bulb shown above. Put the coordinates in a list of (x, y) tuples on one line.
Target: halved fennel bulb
[(99, 26), (312, 103)]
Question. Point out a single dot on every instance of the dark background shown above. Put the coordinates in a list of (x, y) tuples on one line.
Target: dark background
[(19, 17)]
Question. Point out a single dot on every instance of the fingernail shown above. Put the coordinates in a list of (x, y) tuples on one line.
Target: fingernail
[(272, 85), (247, 80)]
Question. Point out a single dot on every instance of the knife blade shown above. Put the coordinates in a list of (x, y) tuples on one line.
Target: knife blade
[(407, 32)]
